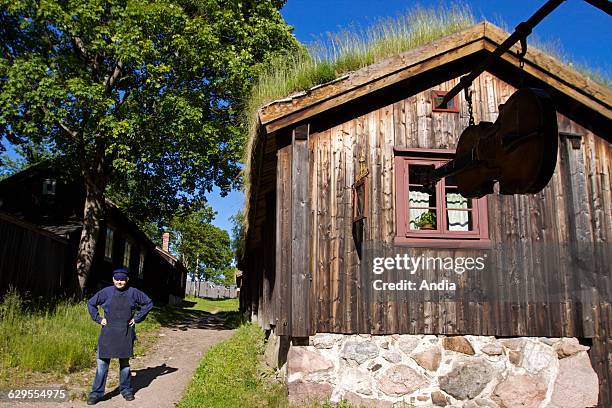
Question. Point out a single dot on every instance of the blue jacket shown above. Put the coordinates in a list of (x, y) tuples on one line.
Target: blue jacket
[(137, 299)]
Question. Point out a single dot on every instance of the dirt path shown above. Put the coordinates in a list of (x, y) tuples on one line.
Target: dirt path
[(159, 377)]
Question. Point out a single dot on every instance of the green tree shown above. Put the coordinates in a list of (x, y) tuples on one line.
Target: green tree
[(238, 234), (229, 276), (203, 248), (143, 97)]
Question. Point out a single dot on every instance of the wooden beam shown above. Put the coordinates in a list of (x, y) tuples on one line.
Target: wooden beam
[(283, 243), (300, 233)]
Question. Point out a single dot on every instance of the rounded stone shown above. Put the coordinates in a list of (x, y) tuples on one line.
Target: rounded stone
[(467, 379), (359, 351), (401, 380), (459, 344), (520, 391)]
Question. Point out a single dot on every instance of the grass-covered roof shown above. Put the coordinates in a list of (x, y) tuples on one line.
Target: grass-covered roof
[(333, 57)]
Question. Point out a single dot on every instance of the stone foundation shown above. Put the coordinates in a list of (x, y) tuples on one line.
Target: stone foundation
[(457, 371)]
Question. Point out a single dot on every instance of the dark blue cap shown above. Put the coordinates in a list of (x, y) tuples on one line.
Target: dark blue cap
[(120, 273)]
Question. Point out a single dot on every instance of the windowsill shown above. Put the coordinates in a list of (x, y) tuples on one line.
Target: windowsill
[(108, 259), (443, 243)]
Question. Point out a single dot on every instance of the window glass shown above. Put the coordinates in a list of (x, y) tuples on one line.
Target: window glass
[(126, 254), (459, 215), (458, 220), (422, 202), (427, 213), (141, 265), (108, 244)]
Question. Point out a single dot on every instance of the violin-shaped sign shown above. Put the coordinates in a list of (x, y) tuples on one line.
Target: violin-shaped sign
[(519, 150)]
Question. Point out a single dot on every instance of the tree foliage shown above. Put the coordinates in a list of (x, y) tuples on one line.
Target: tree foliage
[(238, 232), (204, 249), (143, 96)]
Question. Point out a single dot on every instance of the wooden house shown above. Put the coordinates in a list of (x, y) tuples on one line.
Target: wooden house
[(40, 227), (334, 178)]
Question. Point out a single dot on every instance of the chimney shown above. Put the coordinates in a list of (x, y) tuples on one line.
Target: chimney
[(166, 242)]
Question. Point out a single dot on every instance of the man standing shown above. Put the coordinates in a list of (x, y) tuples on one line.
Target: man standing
[(120, 304)]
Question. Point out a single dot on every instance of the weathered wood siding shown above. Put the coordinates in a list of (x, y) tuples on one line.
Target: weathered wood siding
[(542, 244), (541, 296), (33, 260)]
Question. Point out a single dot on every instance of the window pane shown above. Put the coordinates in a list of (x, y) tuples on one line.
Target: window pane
[(458, 220), (456, 200), (126, 255), (417, 173), (108, 246), (423, 219), (420, 197), (450, 181)]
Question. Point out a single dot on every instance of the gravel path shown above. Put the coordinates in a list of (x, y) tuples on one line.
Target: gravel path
[(159, 377)]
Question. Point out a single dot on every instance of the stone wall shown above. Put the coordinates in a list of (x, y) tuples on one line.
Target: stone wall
[(457, 371)]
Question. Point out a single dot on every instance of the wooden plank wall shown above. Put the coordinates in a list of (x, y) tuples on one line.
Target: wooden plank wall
[(534, 291), (533, 287), (33, 260), (515, 221)]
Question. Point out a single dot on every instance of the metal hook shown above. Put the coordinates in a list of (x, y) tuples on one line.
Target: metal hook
[(521, 55)]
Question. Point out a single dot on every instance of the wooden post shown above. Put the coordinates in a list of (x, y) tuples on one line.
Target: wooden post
[(300, 233), (283, 242)]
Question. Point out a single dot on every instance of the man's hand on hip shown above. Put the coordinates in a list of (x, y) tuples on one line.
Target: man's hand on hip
[(103, 322), (132, 322)]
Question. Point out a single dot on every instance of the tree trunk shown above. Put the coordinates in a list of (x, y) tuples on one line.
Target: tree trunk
[(92, 213)]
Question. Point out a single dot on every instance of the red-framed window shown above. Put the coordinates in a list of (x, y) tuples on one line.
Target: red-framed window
[(451, 106), (440, 217)]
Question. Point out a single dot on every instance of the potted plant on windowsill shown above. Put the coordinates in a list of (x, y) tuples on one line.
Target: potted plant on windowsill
[(426, 221)]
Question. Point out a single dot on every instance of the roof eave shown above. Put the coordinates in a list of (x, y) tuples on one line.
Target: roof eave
[(483, 36)]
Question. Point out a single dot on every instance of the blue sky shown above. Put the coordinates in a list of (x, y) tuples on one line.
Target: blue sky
[(584, 32)]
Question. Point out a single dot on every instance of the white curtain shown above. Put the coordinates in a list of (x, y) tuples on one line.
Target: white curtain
[(457, 220), (417, 199)]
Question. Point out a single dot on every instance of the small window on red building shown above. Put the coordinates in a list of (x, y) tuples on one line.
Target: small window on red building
[(436, 217), (451, 106)]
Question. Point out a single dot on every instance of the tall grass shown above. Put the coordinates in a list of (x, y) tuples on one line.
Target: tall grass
[(338, 53), (61, 339), (57, 337)]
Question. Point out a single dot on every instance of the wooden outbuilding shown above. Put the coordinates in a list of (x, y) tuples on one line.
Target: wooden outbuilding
[(334, 176)]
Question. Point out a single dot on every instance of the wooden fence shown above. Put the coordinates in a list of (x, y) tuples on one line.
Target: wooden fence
[(204, 290)]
